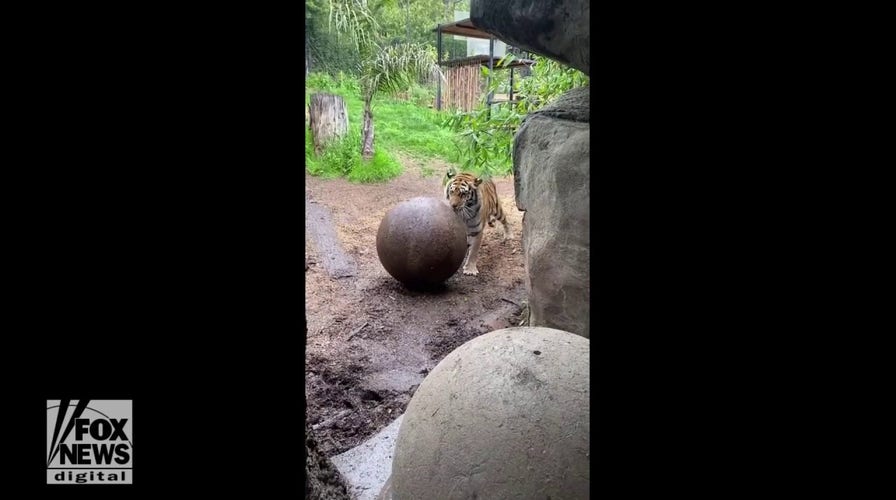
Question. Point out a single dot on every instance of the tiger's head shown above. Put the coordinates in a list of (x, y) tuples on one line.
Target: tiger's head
[(461, 190)]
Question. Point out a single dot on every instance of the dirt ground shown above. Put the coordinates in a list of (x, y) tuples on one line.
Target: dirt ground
[(371, 341)]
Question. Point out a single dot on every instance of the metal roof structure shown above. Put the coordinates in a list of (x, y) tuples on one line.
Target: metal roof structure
[(465, 27), (484, 60)]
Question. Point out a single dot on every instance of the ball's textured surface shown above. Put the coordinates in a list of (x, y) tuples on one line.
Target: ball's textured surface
[(505, 415), (421, 242)]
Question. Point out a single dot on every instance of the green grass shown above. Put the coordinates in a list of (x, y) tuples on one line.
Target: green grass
[(414, 130), (399, 127), (343, 159)]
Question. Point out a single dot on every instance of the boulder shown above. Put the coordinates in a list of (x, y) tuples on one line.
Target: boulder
[(551, 168), (505, 415), (558, 29)]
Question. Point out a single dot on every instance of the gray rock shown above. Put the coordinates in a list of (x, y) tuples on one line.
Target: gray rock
[(554, 28), (503, 416), (367, 467), (551, 167), (551, 160)]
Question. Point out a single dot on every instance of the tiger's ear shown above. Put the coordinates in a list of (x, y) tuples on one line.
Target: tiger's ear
[(451, 173), (477, 182)]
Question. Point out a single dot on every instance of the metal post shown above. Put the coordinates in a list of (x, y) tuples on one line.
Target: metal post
[(439, 63), (491, 58), (511, 85)]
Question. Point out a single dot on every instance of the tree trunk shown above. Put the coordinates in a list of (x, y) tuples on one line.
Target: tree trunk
[(367, 132), (328, 117)]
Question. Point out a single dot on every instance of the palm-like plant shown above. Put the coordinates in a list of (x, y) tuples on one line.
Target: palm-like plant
[(352, 18), (393, 69), (384, 69)]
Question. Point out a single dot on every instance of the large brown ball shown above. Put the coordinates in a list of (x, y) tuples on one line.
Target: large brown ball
[(421, 242)]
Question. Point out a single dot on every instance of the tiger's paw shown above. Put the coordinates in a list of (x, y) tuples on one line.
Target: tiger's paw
[(471, 271)]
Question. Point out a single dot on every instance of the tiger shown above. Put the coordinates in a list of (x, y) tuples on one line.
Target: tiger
[(476, 202)]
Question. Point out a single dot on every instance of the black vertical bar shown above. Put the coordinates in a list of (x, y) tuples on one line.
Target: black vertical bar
[(491, 59), (439, 63)]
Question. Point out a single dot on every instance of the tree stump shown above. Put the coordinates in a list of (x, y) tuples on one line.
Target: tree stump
[(328, 118)]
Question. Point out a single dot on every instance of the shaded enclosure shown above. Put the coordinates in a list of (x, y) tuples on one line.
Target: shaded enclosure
[(464, 83)]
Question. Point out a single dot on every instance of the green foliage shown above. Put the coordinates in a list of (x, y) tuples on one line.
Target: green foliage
[(336, 160), (422, 95), (319, 81), (380, 168), (352, 20), (328, 50), (343, 159), (341, 84), (342, 33), (396, 68), (414, 130), (484, 140), (332, 55), (484, 136), (548, 80), (399, 19), (394, 46), (401, 126)]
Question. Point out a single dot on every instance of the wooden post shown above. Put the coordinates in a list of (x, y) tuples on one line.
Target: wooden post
[(328, 117)]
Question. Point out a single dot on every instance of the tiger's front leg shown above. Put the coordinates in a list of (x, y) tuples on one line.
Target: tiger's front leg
[(472, 254)]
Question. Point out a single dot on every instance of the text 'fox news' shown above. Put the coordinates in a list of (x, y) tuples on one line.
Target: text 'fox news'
[(90, 441)]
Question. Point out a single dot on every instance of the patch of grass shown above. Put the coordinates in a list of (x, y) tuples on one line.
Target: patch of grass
[(415, 130), (339, 84), (343, 159), (423, 96), (381, 167), (399, 126), (336, 160)]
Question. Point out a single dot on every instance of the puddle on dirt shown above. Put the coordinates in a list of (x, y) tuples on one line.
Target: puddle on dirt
[(370, 340)]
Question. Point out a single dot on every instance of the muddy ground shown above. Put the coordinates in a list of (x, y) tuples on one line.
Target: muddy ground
[(371, 341)]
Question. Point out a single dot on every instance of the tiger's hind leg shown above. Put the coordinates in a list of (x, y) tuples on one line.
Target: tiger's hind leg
[(506, 228), (502, 218)]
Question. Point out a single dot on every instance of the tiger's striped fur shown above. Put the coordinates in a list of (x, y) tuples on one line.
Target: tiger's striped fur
[(476, 202)]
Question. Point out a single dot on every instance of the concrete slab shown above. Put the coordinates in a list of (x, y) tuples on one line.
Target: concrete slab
[(321, 229), (367, 466)]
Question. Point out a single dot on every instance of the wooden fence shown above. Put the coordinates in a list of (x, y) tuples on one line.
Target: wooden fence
[(463, 87)]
